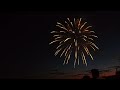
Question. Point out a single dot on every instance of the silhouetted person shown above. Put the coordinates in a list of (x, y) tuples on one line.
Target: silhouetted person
[(95, 73), (86, 77)]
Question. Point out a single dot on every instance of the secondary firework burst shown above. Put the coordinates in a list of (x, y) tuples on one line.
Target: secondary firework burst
[(74, 37)]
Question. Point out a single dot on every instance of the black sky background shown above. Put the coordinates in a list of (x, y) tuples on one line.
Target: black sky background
[(25, 36)]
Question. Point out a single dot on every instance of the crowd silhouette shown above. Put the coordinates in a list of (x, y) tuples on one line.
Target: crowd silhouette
[(96, 75)]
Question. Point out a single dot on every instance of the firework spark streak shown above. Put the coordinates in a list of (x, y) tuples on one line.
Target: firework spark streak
[(74, 37)]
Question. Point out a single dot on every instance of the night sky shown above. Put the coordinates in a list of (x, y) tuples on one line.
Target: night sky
[(25, 37)]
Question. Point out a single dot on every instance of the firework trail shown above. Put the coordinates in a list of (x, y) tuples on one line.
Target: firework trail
[(74, 37)]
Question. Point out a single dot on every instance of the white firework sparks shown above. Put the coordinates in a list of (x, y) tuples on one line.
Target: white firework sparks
[(74, 37)]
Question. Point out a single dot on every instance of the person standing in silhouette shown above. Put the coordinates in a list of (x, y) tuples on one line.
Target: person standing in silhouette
[(95, 73)]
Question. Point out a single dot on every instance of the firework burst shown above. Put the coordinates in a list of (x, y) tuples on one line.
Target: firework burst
[(74, 37)]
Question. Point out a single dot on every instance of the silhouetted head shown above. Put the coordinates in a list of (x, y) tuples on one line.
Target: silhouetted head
[(95, 73)]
